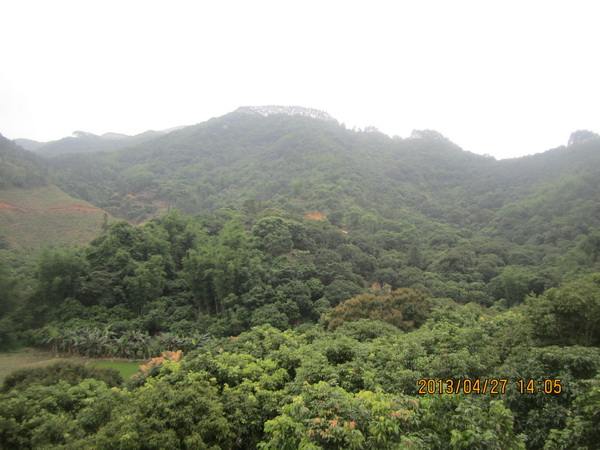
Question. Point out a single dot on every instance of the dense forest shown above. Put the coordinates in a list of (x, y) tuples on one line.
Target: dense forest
[(297, 284)]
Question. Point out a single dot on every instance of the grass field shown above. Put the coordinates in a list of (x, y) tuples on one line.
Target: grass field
[(28, 357), (11, 361)]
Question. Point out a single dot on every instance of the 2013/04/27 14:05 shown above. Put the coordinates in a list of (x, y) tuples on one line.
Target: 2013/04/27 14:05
[(487, 386)]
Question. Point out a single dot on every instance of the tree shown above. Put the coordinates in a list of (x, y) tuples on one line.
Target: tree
[(516, 283), (459, 259), (146, 284), (60, 273), (275, 235), (404, 308), (325, 416), (568, 315), (581, 430), (270, 315)]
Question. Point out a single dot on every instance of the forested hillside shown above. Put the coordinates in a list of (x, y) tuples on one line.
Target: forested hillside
[(300, 284), (293, 161), (20, 168), (453, 207)]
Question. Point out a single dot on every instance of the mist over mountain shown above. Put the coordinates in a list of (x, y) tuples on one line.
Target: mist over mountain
[(85, 142)]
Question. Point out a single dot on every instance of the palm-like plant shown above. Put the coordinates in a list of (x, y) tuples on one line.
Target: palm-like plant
[(52, 339)]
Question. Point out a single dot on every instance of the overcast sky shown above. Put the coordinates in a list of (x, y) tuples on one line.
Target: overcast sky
[(506, 78)]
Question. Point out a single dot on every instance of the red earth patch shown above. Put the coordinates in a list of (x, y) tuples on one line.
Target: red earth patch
[(315, 216), (79, 208), (7, 207)]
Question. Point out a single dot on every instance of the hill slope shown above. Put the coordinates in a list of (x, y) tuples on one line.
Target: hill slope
[(37, 216), (35, 212)]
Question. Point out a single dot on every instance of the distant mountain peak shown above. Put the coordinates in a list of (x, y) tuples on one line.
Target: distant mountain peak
[(431, 135), (581, 136), (83, 134), (269, 110)]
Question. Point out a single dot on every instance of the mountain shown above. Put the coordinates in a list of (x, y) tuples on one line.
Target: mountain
[(305, 161), (544, 198), (33, 211), (84, 142), (301, 160), (29, 144)]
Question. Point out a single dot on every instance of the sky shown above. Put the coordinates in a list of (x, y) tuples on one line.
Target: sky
[(505, 78)]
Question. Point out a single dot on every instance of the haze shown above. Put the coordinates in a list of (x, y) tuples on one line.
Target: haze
[(502, 78)]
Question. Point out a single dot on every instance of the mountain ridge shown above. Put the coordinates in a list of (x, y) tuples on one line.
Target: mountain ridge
[(86, 142)]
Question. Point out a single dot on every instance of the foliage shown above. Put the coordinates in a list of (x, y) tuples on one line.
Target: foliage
[(325, 416), (569, 315), (354, 388), (403, 308), (538, 414), (581, 430), (69, 372)]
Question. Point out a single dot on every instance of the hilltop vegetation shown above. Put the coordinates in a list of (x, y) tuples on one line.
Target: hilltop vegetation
[(315, 278)]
